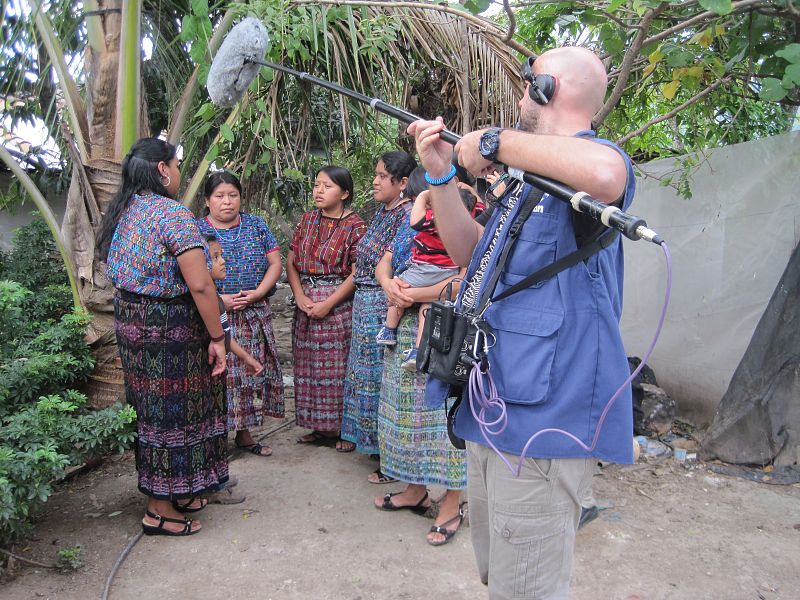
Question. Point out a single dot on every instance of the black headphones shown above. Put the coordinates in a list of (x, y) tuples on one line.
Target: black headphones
[(542, 87)]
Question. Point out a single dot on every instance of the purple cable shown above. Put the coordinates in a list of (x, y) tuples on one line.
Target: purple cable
[(480, 383)]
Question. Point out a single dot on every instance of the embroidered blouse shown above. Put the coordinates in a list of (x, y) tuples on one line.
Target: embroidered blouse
[(245, 247), (152, 232), (326, 246), (376, 241)]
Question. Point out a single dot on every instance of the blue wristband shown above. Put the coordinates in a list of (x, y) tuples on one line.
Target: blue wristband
[(441, 180)]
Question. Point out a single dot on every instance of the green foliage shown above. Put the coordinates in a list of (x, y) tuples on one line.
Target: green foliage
[(70, 558), (34, 260), (37, 357), (44, 425), (40, 440), (751, 55)]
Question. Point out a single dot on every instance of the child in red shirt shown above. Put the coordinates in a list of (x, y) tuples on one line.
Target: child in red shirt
[(430, 264)]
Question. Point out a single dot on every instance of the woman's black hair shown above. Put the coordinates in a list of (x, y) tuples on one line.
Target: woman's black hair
[(210, 238), (216, 178), (399, 164), (139, 174), (341, 177), (416, 182)]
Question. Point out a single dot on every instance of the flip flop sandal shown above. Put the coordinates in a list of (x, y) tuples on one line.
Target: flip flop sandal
[(159, 529), (341, 447), (256, 449), (382, 478), (417, 508), (319, 439), (447, 533), (188, 508)]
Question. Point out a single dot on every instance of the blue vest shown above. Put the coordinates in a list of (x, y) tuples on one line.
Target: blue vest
[(558, 358)]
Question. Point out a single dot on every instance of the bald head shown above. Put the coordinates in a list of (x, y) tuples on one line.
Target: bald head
[(582, 78)]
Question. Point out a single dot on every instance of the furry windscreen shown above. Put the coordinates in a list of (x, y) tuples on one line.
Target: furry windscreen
[(229, 76)]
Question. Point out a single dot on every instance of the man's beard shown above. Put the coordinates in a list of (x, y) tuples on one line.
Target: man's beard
[(529, 121)]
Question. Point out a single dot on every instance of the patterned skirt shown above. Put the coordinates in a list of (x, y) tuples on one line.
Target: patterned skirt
[(414, 446), (251, 398), (181, 449), (362, 385), (320, 348)]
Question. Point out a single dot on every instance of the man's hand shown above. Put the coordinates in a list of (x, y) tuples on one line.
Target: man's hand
[(393, 288), (434, 153), (216, 357), (469, 154)]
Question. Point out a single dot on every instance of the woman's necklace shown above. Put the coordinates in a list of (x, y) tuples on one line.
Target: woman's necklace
[(238, 229), (331, 226)]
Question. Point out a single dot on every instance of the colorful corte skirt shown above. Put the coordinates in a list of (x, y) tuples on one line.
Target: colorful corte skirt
[(362, 385), (320, 348), (181, 449), (414, 445), (251, 398)]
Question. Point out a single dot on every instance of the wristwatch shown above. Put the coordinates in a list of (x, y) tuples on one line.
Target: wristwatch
[(490, 143)]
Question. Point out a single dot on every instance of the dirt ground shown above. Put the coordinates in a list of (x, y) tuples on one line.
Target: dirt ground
[(667, 530)]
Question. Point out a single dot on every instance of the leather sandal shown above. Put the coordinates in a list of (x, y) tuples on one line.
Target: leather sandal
[(381, 477), (159, 529), (417, 508), (256, 449), (188, 508), (447, 533)]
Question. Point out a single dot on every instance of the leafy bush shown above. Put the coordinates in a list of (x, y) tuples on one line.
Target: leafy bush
[(44, 425), (38, 357), (34, 261), (40, 440)]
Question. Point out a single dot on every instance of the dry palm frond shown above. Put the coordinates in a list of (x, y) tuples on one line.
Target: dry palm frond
[(433, 62)]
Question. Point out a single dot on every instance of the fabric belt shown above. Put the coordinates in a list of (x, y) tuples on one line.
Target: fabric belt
[(141, 298), (316, 280)]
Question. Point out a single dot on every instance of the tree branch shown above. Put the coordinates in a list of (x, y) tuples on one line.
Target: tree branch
[(737, 7), (487, 26), (627, 64), (512, 22), (35, 563), (693, 100)]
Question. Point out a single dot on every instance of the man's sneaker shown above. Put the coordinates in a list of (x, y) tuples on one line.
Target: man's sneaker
[(410, 360), (588, 515), (386, 336)]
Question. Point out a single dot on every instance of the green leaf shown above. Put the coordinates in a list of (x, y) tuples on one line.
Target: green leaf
[(790, 53), (188, 28), (477, 6), (615, 4), (206, 112), (772, 90), (212, 153), (792, 75), (721, 7), (200, 7), (226, 132)]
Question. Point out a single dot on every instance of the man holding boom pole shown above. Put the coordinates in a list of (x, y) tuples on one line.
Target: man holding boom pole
[(557, 359)]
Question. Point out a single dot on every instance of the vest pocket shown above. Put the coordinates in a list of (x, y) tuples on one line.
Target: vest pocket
[(522, 357), (535, 247)]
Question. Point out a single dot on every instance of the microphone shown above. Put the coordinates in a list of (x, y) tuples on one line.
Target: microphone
[(237, 62)]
